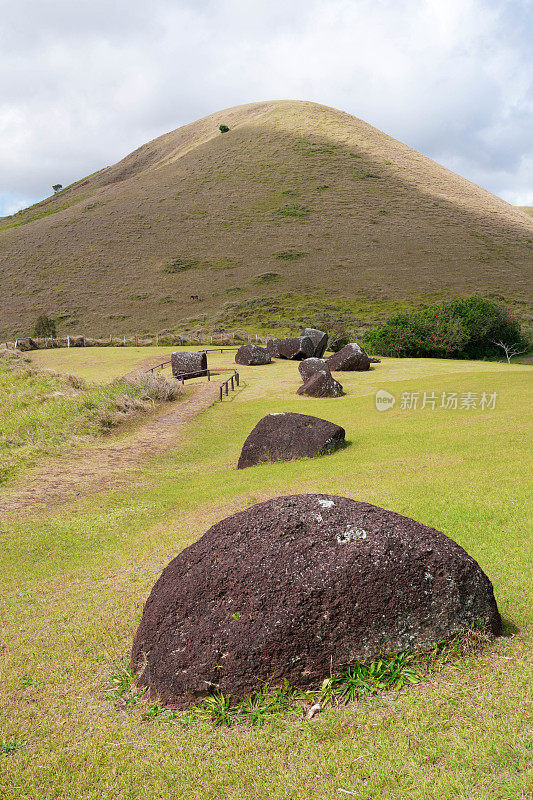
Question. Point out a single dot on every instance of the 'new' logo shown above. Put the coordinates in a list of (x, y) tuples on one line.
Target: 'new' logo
[(384, 400)]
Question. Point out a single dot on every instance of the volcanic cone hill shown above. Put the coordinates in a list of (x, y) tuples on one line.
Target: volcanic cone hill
[(296, 198)]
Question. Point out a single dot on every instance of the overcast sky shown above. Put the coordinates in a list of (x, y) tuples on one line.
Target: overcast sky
[(84, 82)]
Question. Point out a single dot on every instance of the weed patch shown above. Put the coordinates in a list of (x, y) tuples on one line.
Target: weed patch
[(267, 277), (180, 265), (357, 681), (289, 255), (293, 210)]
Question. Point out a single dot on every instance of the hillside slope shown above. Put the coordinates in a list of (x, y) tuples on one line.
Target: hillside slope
[(296, 197)]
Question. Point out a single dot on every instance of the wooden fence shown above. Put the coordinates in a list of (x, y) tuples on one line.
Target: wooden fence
[(233, 380), (135, 340)]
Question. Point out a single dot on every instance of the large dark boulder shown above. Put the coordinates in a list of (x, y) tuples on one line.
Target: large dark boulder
[(189, 365), (250, 355), (319, 339), (351, 357), (294, 349), (272, 347), (288, 436), (321, 384), (309, 366), (298, 587)]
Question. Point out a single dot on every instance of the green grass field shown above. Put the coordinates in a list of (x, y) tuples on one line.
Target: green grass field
[(93, 364), (74, 580)]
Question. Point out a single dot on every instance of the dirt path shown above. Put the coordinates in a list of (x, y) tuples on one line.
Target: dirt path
[(105, 466)]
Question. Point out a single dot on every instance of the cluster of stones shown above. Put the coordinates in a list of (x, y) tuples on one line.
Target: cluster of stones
[(298, 587), (309, 349), (316, 371)]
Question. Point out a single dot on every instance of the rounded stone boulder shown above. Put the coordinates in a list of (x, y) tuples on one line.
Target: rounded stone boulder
[(251, 355), (321, 384), (319, 339), (287, 436), (309, 366), (294, 349), (351, 357), (297, 588), (189, 365)]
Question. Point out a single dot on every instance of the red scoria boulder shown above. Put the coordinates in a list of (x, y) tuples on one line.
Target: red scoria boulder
[(189, 365), (286, 436), (319, 339), (251, 355), (298, 587), (352, 357), (309, 366), (321, 384), (294, 349)]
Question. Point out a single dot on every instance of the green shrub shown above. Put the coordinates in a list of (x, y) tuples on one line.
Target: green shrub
[(289, 255), (466, 328), (180, 265), (223, 128), (267, 277), (44, 326), (293, 210)]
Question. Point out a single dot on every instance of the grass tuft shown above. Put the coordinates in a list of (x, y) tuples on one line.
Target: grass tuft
[(293, 210), (356, 681)]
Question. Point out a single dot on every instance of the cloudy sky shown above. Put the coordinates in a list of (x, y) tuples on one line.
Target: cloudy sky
[(84, 82)]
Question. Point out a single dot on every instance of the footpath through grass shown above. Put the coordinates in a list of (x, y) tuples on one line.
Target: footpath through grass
[(74, 582), (44, 412)]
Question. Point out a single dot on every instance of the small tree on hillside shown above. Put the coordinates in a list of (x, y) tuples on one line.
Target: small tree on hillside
[(44, 326), (56, 187), (223, 128)]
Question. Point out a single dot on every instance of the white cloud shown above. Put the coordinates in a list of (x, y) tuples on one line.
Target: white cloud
[(82, 84)]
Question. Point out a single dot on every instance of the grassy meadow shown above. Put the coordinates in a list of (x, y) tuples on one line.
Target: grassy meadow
[(75, 577)]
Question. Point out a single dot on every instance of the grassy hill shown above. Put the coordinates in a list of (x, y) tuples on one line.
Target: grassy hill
[(296, 201)]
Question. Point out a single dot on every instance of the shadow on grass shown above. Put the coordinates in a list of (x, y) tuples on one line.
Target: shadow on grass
[(509, 629)]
